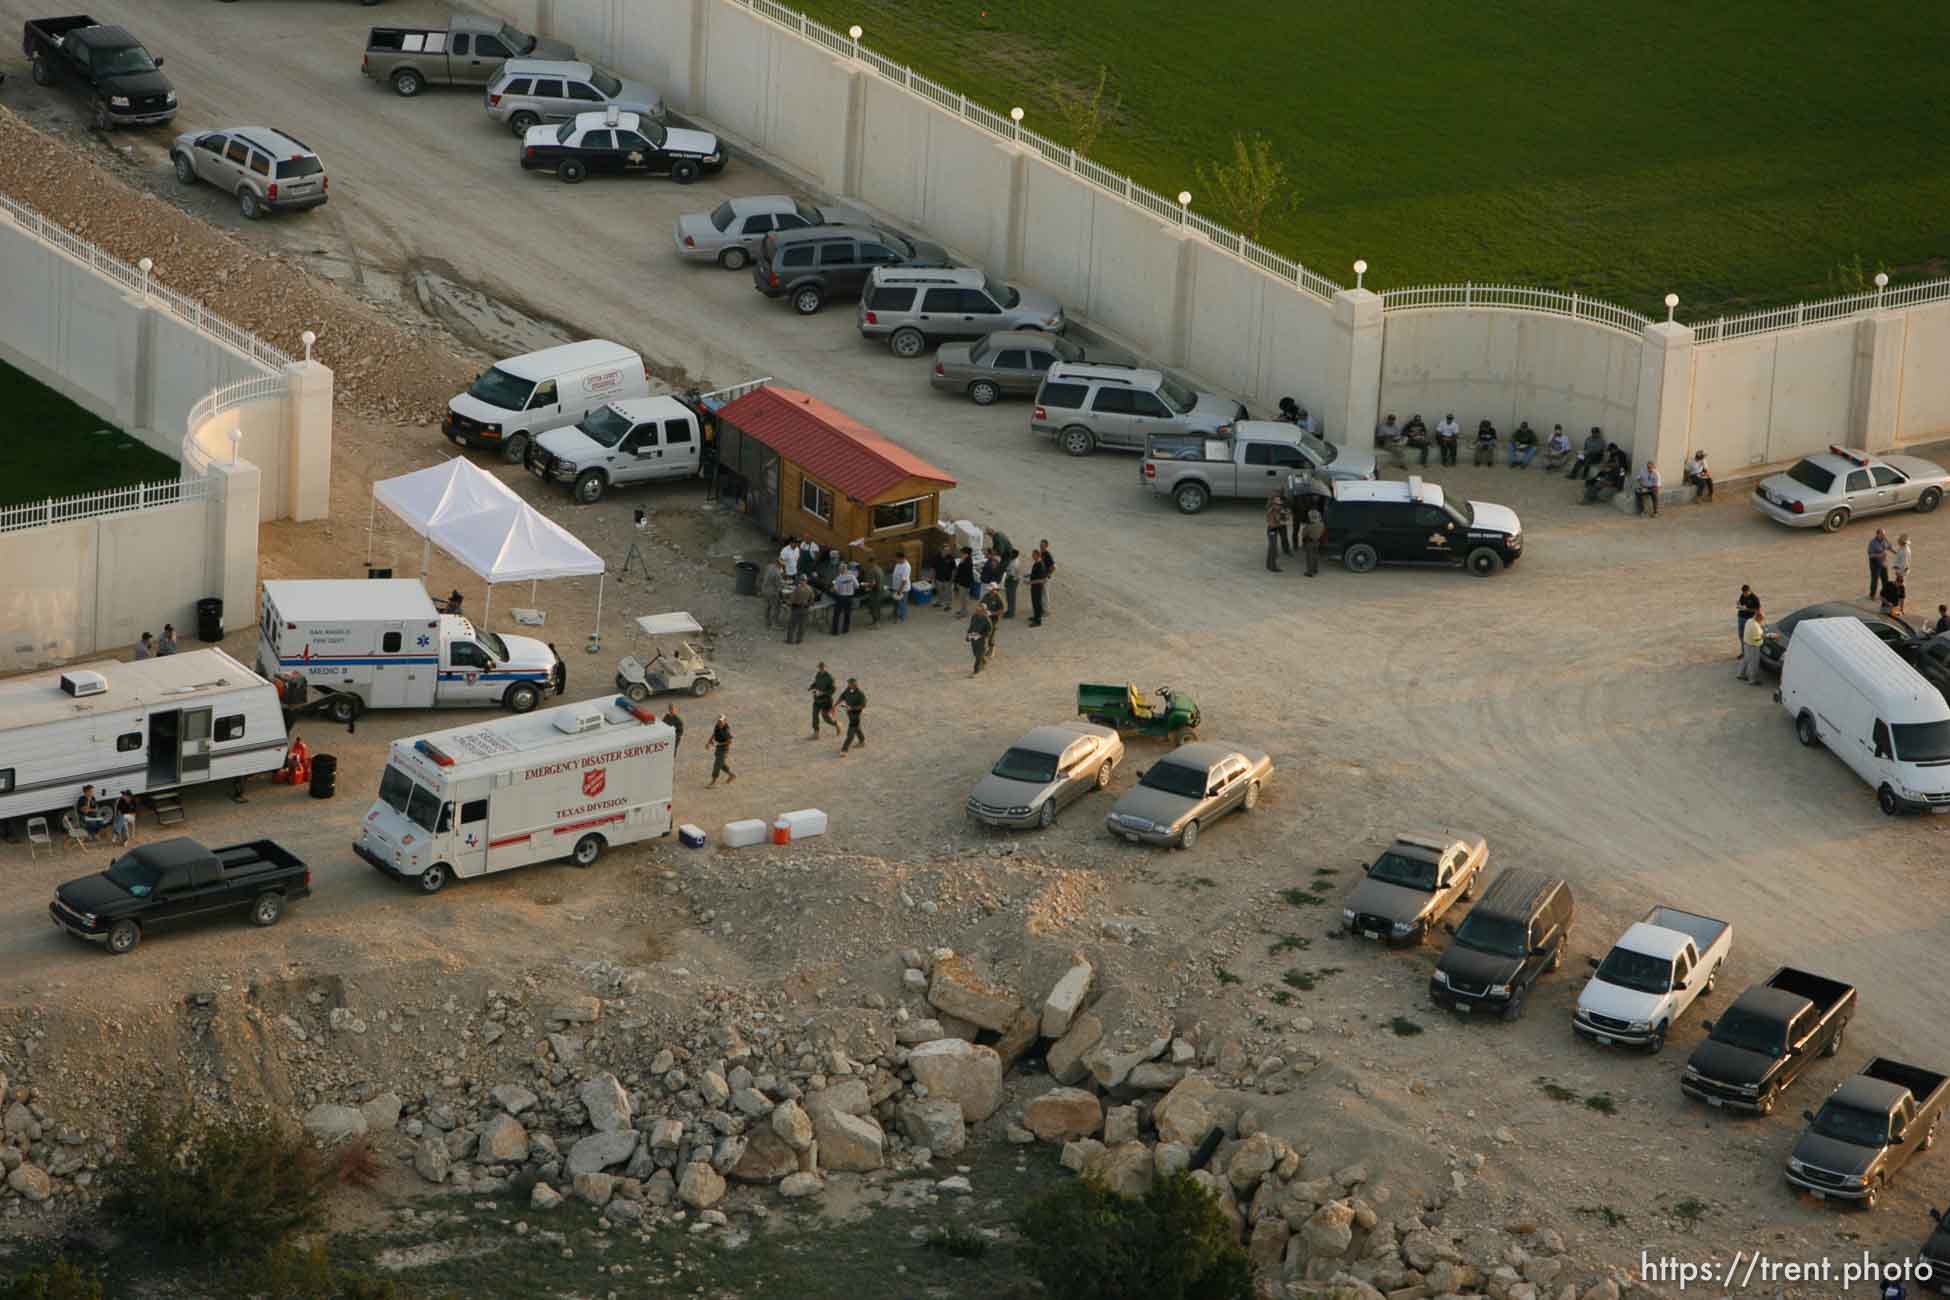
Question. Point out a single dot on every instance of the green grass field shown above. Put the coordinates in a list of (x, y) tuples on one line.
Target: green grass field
[(1736, 153), (49, 447)]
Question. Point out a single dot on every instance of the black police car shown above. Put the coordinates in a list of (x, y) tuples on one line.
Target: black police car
[(617, 143), (1372, 521)]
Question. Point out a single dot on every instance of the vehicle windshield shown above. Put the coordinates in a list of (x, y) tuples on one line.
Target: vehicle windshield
[(422, 808), (722, 216), (1178, 397), (1063, 348), (608, 86), (395, 787), (515, 39), (294, 167), (1175, 778), (1862, 1128), (122, 62), (606, 426), (1493, 934), (1026, 765), (900, 244), (1323, 450), (1393, 868), (978, 349), (134, 875), (497, 387), (811, 216), (1460, 511), (563, 132), (1745, 1030), (1635, 970), (1006, 294), (494, 643), (1812, 476), (1922, 742)]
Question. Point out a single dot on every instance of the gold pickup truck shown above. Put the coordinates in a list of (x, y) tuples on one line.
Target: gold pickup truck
[(469, 51)]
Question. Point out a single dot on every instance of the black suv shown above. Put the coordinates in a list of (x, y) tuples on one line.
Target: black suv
[(1387, 521), (810, 266), (1516, 932)]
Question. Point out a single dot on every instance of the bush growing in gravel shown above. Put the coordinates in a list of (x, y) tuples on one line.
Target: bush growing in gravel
[(1086, 1242), (58, 1281), (214, 1187)]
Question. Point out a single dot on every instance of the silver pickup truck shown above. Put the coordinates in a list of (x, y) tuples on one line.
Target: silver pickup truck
[(1193, 468), (468, 51)]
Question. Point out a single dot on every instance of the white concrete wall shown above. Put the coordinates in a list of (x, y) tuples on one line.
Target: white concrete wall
[(1923, 401), (1503, 366), (1773, 397)]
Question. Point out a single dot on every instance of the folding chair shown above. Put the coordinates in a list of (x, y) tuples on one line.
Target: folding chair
[(76, 839), (38, 837)]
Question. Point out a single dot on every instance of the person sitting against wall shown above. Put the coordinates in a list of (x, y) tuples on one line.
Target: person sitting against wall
[(1523, 446), (1289, 412), (1700, 475), (1610, 478), (1590, 457), (1558, 449), (1417, 435), (1388, 438), (1485, 443)]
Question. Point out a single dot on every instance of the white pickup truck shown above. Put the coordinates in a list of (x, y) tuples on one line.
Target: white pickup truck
[(1656, 970)]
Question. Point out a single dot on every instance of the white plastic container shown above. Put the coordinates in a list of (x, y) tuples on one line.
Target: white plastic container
[(744, 834), (969, 534), (803, 824)]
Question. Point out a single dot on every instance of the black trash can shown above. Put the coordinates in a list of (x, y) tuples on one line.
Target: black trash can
[(747, 578), (324, 776), (209, 619)]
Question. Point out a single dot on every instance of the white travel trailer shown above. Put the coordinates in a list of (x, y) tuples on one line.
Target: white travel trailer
[(1847, 690), (566, 782), (153, 725)]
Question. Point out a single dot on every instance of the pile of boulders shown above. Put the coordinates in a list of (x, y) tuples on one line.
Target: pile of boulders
[(38, 1159)]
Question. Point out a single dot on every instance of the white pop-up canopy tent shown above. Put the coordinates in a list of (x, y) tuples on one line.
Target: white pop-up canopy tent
[(477, 519)]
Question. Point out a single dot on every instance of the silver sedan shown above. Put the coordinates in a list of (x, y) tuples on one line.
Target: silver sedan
[(1006, 362), (729, 234), (1828, 489), (1048, 768), (1188, 789)]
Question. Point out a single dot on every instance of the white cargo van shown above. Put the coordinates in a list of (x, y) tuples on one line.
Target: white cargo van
[(149, 726), (380, 644), (1847, 690), (635, 441), (513, 400), (567, 782)]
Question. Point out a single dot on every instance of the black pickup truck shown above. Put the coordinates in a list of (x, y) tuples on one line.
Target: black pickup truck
[(1766, 1038), (126, 84), (1867, 1130), (177, 880)]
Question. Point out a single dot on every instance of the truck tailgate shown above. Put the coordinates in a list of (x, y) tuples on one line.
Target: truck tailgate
[(1924, 1085), (1704, 931)]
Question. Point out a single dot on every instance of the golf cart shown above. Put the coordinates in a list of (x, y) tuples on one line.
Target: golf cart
[(1172, 714), (665, 671)]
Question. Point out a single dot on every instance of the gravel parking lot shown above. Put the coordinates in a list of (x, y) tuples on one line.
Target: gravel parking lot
[(1580, 711)]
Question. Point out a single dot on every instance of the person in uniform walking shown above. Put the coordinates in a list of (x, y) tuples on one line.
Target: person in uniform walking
[(1750, 638), (855, 701), (1275, 530), (980, 629), (797, 604), (721, 752), (992, 602), (822, 704), (676, 724), (1038, 582), (771, 589), (1311, 535)]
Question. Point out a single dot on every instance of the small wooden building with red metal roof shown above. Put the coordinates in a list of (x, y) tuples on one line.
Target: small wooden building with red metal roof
[(800, 468)]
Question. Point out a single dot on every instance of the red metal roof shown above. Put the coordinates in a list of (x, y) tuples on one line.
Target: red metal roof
[(833, 448)]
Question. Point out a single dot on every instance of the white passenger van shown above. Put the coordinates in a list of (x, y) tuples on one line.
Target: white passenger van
[(1847, 690), (566, 782), (513, 400)]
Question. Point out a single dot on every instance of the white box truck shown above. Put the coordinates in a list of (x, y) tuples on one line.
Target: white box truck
[(567, 782), (381, 644), (1847, 690), (153, 725), (512, 401)]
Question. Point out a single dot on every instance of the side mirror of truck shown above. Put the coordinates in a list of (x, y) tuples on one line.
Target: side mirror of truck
[(159, 60), (1936, 1215), (1679, 986), (1449, 927), (1808, 1115), (1897, 1139), (1541, 950), (1592, 962), (1707, 1025)]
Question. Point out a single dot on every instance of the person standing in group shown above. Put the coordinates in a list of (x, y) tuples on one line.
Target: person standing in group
[(855, 701), (1750, 638), (822, 704), (1447, 435), (797, 604), (1038, 583), (1942, 619), (965, 579), (146, 647), (1878, 561), (166, 643), (789, 558), (1311, 536), (846, 585), (903, 583), (1899, 558), (944, 579), (1049, 562), (1647, 489), (980, 629), (1275, 530), (1011, 579), (721, 752), (771, 590), (809, 560), (1743, 609), (873, 586), (1894, 593), (676, 724)]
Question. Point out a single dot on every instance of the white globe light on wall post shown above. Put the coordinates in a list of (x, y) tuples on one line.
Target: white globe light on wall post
[(1184, 206), (1672, 301), (145, 266), (308, 338), (1360, 270), (1015, 115), (1882, 282), (855, 33), (236, 437)]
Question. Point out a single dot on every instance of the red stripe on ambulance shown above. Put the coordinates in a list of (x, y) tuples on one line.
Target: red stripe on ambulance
[(570, 828), (510, 839)]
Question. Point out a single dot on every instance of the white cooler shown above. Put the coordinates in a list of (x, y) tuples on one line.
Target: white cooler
[(744, 834), (803, 824)]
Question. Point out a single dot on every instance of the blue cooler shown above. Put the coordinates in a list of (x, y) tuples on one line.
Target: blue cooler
[(920, 593), (691, 837)]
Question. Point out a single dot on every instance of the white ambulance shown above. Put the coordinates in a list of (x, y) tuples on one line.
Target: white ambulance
[(381, 644), (566, 782)]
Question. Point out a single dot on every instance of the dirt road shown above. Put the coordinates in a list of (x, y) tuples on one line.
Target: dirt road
[(1580, 710)]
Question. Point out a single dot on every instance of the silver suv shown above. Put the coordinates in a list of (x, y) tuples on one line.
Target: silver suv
[(528, 92), (1084, 406), (267, 170), (908, 306)]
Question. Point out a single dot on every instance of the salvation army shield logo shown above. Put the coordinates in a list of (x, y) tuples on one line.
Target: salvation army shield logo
[(593, 783)]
